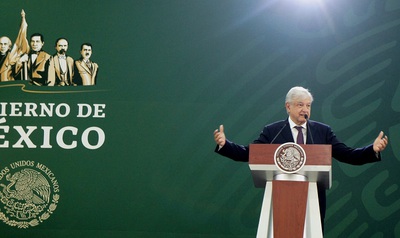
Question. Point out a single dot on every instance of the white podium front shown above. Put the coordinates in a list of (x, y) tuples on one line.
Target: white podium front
[(290, 205)]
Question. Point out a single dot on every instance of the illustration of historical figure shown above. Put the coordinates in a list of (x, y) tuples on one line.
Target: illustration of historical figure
[(63, 64), (85, 69), (5, 65), (40, 68), (28, 61)]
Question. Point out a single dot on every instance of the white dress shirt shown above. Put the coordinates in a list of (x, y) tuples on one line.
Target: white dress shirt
[(295, 131)]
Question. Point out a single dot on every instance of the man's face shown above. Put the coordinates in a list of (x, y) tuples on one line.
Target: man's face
[(62, 46), (4, 46), (298, 108), (86, 52), (36, 43)]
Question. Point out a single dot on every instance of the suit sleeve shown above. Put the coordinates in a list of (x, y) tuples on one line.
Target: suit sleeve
[(234, 151), (241, 152), (348, 155)]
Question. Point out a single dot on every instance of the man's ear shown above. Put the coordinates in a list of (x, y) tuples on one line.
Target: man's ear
[(287, 106)]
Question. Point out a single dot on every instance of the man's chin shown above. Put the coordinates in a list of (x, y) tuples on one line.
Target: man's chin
[(301, 121)]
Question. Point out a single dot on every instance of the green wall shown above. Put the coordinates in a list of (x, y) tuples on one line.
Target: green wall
[(170, 73)]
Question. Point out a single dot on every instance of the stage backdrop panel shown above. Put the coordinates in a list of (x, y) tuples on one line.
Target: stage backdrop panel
[(132, 155)]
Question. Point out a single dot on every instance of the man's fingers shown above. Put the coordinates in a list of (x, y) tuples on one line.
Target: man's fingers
[(380, 135), (380, 142), (385, 140), (219, 136)]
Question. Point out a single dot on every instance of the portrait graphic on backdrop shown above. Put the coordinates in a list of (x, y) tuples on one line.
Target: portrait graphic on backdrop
[(26, 60)]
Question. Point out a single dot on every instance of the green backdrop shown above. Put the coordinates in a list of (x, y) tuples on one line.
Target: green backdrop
[(170, 72)]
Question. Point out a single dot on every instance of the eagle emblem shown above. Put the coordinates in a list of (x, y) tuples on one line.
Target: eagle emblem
[(27, 197), (290, 157)]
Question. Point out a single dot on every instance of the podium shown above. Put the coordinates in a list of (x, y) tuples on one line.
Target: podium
[(290, 205)]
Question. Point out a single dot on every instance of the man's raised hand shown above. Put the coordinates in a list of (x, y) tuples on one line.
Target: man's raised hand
[(219, 136), (380, 142)]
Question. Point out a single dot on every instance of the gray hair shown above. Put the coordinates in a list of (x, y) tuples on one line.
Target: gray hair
[(298, 93)]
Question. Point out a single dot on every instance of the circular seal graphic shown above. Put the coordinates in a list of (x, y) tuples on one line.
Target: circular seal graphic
[(29, 193), (290, 157)]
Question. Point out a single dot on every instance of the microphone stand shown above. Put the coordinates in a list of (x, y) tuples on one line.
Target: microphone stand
[(308, 129)]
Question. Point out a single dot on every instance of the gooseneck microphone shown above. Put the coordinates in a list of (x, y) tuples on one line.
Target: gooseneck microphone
[(308, 129), (279, 132)]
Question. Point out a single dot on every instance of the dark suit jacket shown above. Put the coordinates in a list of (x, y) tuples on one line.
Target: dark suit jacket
[(40, 72), (6, 68), (84, 75), (320, 134)]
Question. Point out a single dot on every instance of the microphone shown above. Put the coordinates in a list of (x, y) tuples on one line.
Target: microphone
[(308, 128), (279, 132)]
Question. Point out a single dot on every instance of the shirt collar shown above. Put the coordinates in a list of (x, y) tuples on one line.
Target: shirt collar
[(292, 124)]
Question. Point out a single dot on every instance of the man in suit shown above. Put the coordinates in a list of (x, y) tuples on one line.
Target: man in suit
[(5, 66), (40, 68), (85, 69), (63, 64), (298, 106)]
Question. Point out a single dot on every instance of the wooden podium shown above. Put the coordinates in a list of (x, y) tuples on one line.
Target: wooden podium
[(290, 206)]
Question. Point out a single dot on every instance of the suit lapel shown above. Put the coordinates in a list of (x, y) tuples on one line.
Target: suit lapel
[(287, 133), (39, 58), (83, 64), (311, 134), (4, 62), (57, 66), (70, 64)]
